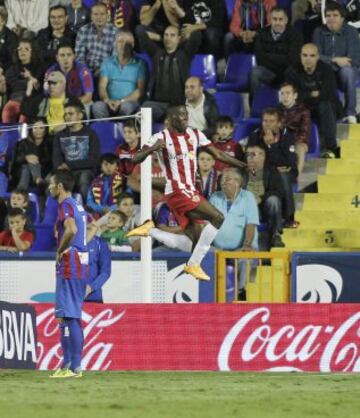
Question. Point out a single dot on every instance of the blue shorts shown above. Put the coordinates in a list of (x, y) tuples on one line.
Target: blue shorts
[(69, 299)]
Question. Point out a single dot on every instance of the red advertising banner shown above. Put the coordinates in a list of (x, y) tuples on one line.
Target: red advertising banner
[(274, 337)]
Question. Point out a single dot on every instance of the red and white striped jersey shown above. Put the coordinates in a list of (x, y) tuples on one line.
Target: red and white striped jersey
[(178, 159)]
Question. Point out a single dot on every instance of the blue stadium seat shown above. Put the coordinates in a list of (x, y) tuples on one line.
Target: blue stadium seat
[(44, 239), (229, 8), (204, 67), (51, 209), (137, 5), (144, 56), (35, 208), (157, 127), (109, 135), (12, 137), (230, 103), (89, 3), (244, 128), (264, 97), (237, 72), (314, 146)]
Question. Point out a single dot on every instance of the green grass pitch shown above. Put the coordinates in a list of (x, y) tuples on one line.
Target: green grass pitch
[(27, 394)]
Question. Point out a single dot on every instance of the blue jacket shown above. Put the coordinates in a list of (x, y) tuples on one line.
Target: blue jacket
[(100, 267), (345, 43)]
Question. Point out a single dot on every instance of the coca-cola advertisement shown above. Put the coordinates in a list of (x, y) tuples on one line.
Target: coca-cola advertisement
[(233, 337)]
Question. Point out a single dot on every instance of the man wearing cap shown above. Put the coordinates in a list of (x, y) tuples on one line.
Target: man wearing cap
[(52, 107)]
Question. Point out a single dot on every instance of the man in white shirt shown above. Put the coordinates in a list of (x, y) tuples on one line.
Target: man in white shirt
[(201, 107)]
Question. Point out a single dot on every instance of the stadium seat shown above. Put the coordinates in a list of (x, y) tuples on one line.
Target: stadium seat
[(147, 59), (264, 97), (35, 208), (11, 136), (44, 239), (229, 8), (237, 72), (230, 103), (109, 135), (137, 5), (244, 128), (50, 214), (157, 127), (204, 67), (314, 146)]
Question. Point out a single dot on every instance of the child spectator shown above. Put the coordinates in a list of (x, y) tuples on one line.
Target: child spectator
[(32, 162), (127, 206), (126, 152), (296, 117), (224, 141), (114, 232), (17, 238), (105, 188), (207, 176), (78, 15), (19, 199)]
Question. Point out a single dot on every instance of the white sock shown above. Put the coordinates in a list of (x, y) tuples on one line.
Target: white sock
[(181, 242), (207, 236)]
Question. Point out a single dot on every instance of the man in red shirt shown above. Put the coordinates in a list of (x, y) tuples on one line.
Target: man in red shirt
[(17, 238), (176, 149)]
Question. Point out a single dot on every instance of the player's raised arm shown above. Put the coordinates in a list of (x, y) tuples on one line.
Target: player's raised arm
[(225, 158)]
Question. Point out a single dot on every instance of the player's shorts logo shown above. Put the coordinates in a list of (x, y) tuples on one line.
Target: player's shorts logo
[(195, 198)]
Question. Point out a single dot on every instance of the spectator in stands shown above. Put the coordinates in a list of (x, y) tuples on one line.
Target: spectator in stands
[(122, 80), (4, 145), (19, 199), (201, 106), (265, 183), (121, 14), (27, 67), (276, 47), (207, 19), (99, 269), (52, 107), (339, 46), (306, 14), (207, 178), (95, 41), (223, 140), (3, 90), (171, 66), (32, 161), (57, 33), (156, 16), (30, 15), (239, 229), (297, 118), (316, 85), (114, 232), (79, 82), (78, 15), (280, 153), (77, 148), (125, 152), (105, 188), (247, 18), (127, 206), (17, 238), (8, 40)]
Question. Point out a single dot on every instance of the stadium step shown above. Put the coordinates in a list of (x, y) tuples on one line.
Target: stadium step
[(328, 218), (348, 166), (353, 132), (335, 201), (322, 238), (349, 148), (341, 183)]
